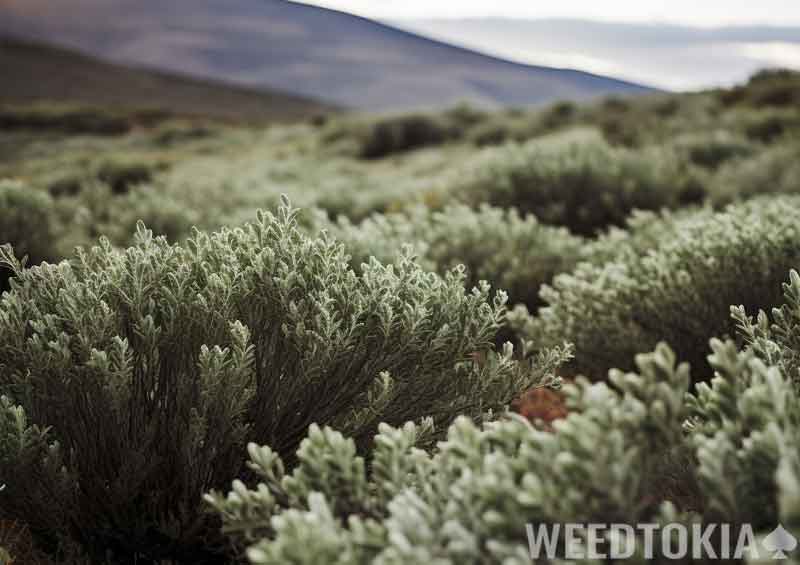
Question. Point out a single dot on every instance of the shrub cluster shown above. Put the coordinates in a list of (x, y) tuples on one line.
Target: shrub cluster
[(770, 87), (134, 378), (17, 546), (388, 135), (522, 126), (773, 337), (399, 133), (64, 119), (99, 210), (516, 253), (710, 150), (121, 176), (774, 170), (340, 350), (678, 291), (617, 119), (770, 125), (470, 500), (26, 222), (682, 143), (402, 133), (616, 457), (580, 181)]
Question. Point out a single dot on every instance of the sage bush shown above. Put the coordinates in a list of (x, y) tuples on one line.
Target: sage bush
[(731, 448), (27, 222), (133, 379), (678, 291), (580, 182), (776, 170), (516, 253)]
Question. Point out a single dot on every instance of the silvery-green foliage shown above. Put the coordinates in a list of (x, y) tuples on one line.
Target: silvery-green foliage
[(29, 460), (776, 169), (712, 149), (788, 479), (516, 253), (775, 338), (577, 180), (643, 231), (744, 426), (680, 291), (469, 500), (774, 341), (27, 223), (155, 365)]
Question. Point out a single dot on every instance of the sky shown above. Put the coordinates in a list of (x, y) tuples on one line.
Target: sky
[(688, 12)]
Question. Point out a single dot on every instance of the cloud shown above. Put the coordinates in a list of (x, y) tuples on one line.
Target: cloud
[(668, 56), (773, 53), (687, 12)]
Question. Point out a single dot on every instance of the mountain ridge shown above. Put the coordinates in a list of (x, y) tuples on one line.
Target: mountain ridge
[(37, 72), (311, 51)]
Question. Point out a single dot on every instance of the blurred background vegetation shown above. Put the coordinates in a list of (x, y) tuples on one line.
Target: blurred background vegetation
[(72, 173)]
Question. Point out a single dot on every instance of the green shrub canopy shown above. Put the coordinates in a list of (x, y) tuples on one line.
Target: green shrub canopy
[(152, 367), (679, 291), (355, 355), (731, 450), (517, 254), (579, 181), (26, 221)]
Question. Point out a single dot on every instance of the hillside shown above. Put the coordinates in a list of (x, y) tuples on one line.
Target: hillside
[(292, 47), (34, 72)]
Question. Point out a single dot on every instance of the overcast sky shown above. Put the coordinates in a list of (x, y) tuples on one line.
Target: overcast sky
[(690, 12), (612, 37)]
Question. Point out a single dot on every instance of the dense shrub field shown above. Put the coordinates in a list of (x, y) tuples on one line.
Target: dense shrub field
[(187, 353), (516, 253), (581, 182), (469, 500), (466, 325), (680, 290)]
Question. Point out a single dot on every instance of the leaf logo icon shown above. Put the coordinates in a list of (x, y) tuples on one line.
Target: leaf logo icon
[(779, 542)]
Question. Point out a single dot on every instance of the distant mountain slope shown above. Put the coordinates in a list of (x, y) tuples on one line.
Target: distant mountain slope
[(307, 50), (32, 72)]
